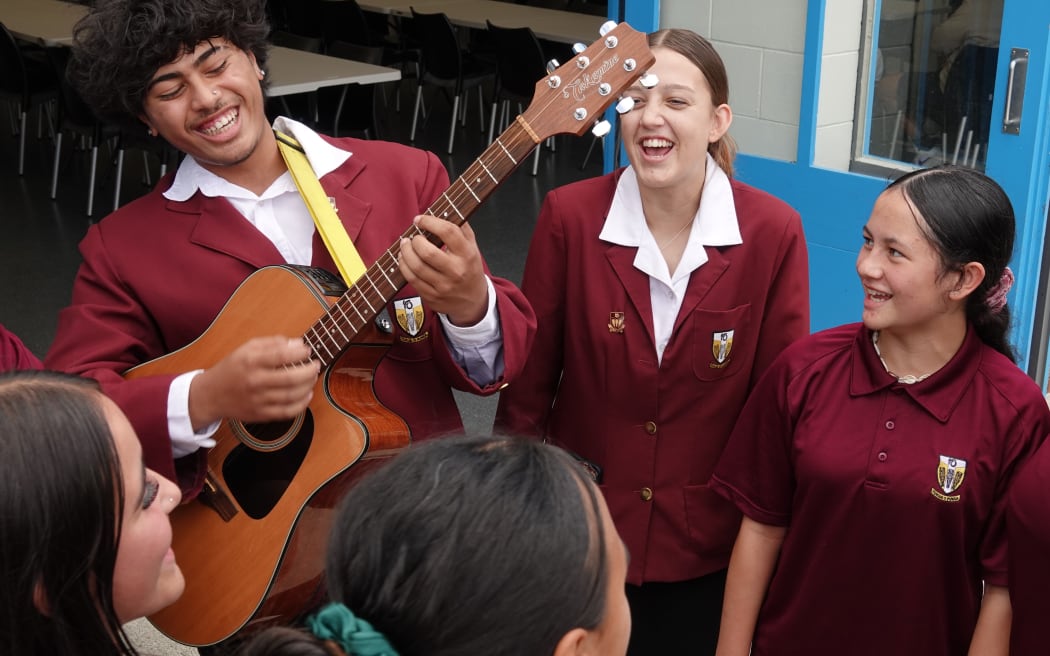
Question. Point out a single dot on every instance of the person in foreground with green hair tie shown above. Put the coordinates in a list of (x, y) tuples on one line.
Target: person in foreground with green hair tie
[(464, 546)]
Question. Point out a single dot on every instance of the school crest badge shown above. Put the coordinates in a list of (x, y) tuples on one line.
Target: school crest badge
[(950, 475), (409, 313), (721, 347)]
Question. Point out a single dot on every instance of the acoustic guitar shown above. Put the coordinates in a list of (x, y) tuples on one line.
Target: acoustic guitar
[(251, 546)]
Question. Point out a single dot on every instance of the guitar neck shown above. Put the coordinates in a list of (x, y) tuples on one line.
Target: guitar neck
[(329, 336)]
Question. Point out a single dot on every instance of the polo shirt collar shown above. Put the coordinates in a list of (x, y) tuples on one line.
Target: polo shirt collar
[(191, 177), (938, 395)]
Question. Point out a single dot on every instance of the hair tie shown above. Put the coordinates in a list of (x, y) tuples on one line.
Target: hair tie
[(996, 298), (356, 636)]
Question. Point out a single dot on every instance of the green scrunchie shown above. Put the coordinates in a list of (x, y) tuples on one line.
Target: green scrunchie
[(356, 636)]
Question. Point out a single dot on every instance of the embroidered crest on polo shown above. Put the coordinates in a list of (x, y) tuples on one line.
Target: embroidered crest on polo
[(409, 313), (721, 347), (616, 323), (950, 475)]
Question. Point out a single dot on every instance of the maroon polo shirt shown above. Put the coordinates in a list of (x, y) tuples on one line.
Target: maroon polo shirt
[(1028, 531), (893, 495)]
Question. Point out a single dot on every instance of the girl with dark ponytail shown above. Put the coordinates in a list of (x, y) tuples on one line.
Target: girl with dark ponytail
[(872, 461), (468, 546)]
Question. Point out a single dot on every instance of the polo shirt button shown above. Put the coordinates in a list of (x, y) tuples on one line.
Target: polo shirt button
[(650, 427), (646, 494), (890, 425), (883, 456)]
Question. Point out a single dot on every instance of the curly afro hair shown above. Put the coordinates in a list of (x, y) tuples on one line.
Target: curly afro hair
[(119, 45)]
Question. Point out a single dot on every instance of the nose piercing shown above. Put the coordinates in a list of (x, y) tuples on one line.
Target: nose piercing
[(214, 92), (171, 500)]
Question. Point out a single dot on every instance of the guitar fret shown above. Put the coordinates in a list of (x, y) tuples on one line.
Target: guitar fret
[(346, 339), (388, 280), (509, 156), (456, 209), (470, 190), (331, 327), (354, 306), (321, 340), (488, 171)]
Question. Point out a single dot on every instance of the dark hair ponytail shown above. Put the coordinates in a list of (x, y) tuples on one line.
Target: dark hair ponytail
[(968, 218), (281, 641), (464, 546)]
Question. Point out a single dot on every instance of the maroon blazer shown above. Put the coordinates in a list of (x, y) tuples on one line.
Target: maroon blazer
[(593, 385), (14, 354), (155, 274)]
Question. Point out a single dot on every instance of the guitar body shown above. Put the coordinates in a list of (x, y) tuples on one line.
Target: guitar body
[(252, 545)]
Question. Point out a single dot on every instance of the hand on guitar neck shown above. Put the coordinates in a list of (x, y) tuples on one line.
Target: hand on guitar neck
[(450, 280), (265, 379)]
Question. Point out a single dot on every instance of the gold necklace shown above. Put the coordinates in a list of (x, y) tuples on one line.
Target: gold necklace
[(906, 379), (676, 235)]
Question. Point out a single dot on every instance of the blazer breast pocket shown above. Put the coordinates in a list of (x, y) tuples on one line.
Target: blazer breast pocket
[(722, 342)]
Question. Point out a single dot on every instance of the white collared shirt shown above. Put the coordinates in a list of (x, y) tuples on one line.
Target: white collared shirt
[(715, 224), (281, 214)]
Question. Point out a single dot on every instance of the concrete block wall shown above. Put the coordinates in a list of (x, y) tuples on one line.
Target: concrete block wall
[(762, 43)]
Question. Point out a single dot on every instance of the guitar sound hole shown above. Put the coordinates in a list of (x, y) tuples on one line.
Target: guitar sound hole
[(256, 479), (270, 431)]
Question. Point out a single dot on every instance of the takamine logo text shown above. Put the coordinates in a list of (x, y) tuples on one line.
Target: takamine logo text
[(579, 86)]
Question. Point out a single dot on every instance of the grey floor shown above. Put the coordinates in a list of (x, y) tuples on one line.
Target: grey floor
[(38, 249)]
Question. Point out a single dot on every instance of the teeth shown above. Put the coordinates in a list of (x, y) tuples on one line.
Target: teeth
[(220, 124), (878, 296), (656, 143)]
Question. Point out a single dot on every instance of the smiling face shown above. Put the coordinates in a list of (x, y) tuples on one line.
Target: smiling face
[(668, 132), (209, 104), (145, 577), (906, 290)]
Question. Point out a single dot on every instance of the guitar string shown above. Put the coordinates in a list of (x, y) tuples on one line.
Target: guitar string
[(473, 189), (517, 137), (489, 159)]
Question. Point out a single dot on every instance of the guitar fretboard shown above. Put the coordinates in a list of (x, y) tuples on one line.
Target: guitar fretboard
[(329, 336)]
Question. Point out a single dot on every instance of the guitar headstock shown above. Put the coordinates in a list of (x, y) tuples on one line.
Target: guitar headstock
[(572, 97)]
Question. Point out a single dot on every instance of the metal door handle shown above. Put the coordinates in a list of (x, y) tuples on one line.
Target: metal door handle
[(1015, 86)]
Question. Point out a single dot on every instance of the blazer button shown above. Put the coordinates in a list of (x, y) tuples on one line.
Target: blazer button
[(650, 427), (646, 494)]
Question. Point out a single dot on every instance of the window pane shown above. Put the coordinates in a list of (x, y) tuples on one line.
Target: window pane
[(933, 72)]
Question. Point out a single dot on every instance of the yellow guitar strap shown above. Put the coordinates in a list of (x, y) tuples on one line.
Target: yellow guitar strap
[(346, 257)]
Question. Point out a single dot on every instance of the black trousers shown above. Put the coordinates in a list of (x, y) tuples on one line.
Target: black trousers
[(676, 618)]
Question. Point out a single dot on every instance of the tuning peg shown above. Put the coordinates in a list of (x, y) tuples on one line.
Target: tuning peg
[(601, 128), (625, 105), (648, 80), (552, 65), (577, 48), (607, 26)]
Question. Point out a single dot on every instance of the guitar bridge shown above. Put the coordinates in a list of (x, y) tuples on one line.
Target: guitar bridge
[(216, 498)]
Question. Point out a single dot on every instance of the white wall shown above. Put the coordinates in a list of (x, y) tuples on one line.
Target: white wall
[(762, 43)]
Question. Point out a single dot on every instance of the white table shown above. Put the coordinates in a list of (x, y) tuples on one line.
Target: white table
[(550, 24), (41, 21), (296, 71)]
